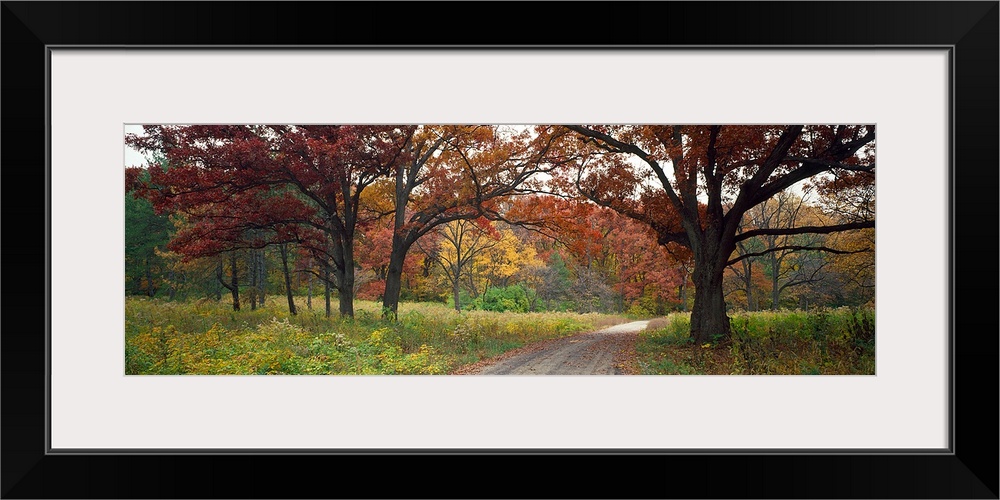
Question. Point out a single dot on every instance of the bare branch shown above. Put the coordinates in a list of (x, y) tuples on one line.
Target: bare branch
[(796, 248), (806, 230), (833, 164)]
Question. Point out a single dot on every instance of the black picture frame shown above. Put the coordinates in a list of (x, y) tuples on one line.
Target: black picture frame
[(969, 470)]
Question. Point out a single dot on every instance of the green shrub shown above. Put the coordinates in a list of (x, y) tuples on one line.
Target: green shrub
[(136, 361), (503, 299)]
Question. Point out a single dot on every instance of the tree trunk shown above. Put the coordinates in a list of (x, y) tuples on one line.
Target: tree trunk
[(345, 283), (473, 291), (455, 289), (283, 248), (709, 322), (234, 286), (393, 287), (172, 290), (262, 277), (309, 292), (394, 278), (401, 243), (346, 300), (345, 292), (775, 291), (708, 316), (252, 271)]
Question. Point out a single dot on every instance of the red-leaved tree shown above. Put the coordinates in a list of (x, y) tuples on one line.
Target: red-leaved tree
[(248, 186)]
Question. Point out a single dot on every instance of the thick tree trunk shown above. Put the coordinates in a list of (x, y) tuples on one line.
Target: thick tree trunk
[(393, 287), (346, 304), (283, 248), (709, 322), (394, 278), (708, 316), (456, 290), (345, 284), (401, 243)]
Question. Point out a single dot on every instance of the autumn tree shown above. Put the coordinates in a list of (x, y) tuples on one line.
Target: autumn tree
[(251, 186), (847, 197), (552, 282), (305, 268), (498, 264), (747, 276), (693, 185), (461, 242), (374, 244), (791, 260), (853, 274), (419, 272), (463, 172), (602, 259), (646, 273)]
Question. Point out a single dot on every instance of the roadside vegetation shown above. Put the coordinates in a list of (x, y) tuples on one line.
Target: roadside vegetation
[(208, 337), (823, 342)]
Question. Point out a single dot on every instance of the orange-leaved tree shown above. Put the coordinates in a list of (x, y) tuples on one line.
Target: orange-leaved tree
[(463, 172)]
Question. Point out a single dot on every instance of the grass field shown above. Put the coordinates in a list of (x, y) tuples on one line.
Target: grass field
[(208, 337), (824, 342)]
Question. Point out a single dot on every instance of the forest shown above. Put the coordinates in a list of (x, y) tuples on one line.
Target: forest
[(334, 232)]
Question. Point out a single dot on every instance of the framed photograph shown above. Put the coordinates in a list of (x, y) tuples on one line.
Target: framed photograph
[(923, 73)]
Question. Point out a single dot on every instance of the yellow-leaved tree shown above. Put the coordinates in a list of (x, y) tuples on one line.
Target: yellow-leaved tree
[(499, 264)]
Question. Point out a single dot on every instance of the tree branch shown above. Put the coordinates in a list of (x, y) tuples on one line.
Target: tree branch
[(806, 230), (811, 279), (834, 164), (795, 248), (631, 148)]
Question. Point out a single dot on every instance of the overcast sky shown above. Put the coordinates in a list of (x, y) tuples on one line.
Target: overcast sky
[(134, 158)]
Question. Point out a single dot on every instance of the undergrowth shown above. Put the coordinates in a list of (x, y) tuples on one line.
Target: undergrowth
[(822, 342), (207, 337)]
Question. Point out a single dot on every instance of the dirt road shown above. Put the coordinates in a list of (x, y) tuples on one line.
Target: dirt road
[(595, 353)]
